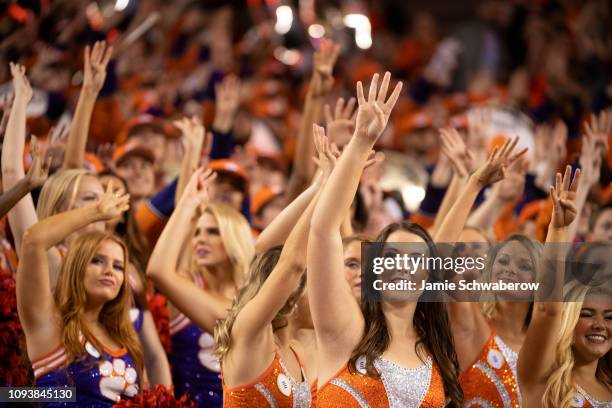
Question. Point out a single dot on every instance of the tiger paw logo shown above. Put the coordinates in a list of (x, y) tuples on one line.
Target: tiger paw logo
[(117, 380), (206, 353)]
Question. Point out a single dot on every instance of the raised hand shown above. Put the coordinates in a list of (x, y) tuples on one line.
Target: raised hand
[(494, 169), (39, 170), (455, 150), (21, 84), (105, 153), (513, 184), (96, 61), (373, 113), (327, 152), (590, 160), (341, 125), (112, 205), (324, 60), (563, 196), (192, 130), (598, 129), (196, 191), (227, 101)]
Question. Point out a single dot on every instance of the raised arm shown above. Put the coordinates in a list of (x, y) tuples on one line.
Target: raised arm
[(94, 74), (460, 158), (502, 194), (320, 84), (492, 171), (255, 318), (35, 303), (38, 173), (23, 214), (336, 315), (197, 304), (594, 150), (537, 356), (193, 140)]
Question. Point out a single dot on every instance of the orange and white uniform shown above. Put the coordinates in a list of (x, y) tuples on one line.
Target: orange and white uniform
[(491, 382), (583, 400), (397, 387), (274, 388)]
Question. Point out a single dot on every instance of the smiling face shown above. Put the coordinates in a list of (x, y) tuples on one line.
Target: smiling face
[(593, 332), (207, 243), (104, 274)]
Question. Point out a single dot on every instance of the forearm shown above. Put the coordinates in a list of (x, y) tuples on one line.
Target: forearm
[(581, 198), (451, 195), (279, 229), (164, 258), (10, 198), (12, 149), (188, 165), (79, 130), (453, 223), (487, 214), (303, 164), (53, 230), (156, 362), (337, 196)]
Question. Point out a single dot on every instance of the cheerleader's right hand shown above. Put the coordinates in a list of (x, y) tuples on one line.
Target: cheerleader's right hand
[(112, 205), (196, 191)]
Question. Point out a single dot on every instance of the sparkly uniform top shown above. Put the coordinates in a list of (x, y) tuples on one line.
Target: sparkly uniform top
[(583, 400), (398, 387), (195, 369), (491, 381), (101, 379), (275, 388)]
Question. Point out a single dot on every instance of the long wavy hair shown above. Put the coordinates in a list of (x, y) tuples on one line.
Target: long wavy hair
[(59, 192), (430, 321), (261, 268), (560, 386), (237, 239), (534, 248), (71, 299)]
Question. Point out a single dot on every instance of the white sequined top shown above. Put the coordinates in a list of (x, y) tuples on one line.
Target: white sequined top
[(406, 387)]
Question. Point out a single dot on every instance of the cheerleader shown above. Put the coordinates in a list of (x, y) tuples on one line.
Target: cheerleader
[(202, 290), (80, 334), (566, 359), (157, 368), (386, 353), (257, 342), (487, 339)]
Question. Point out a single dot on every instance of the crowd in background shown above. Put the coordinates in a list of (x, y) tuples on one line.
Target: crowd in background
[(103, 99)]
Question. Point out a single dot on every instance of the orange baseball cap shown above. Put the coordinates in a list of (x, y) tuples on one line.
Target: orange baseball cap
[(263, 197), (232, 169), (124, 152)]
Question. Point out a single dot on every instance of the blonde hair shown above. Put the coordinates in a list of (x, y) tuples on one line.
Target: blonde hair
[(71, 299), (559, 389), (59, 192), (261, 268), (237, 239)]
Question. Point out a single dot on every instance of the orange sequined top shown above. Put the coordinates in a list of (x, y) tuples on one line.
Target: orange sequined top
[(274, 388), (397, 387), (583, 400), (491, 381)]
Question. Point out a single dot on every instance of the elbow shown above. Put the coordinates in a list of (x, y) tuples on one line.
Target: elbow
[(32, 239)]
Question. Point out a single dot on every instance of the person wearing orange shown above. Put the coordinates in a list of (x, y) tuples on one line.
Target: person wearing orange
[(382, 354), (565, 361)]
